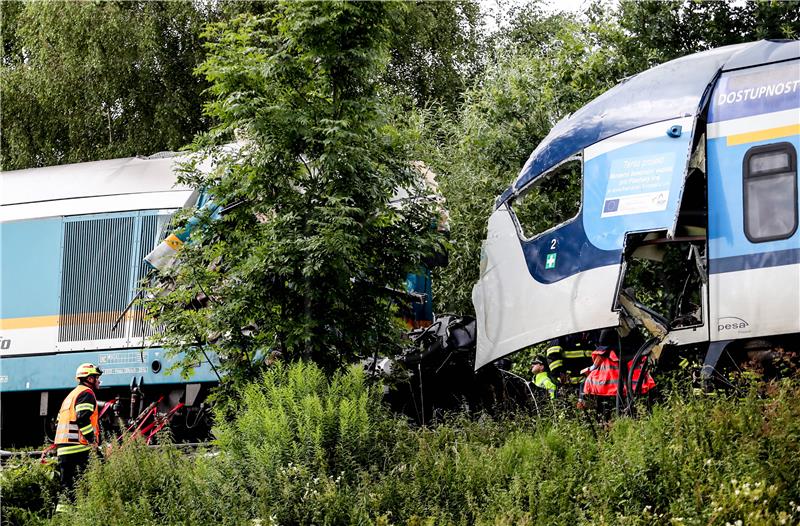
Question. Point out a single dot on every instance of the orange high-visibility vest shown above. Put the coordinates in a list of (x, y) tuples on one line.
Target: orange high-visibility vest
[(603, 380), (68, 435)]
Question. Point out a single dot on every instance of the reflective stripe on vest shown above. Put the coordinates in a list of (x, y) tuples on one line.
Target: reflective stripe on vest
[(77, 448), (579, 353), (69, 438), (554, 349), (543, 381)]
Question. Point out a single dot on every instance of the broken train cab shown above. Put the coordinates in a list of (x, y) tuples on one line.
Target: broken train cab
[(697, 156)]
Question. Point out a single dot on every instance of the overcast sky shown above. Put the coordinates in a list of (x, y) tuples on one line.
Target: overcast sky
[(492, 8)]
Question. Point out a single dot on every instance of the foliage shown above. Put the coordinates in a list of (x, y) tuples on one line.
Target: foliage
[(304, 258), (310, 436), (436, 52), (28, 490), (303, 449), (136, 485), (662, 31), (85, 81)]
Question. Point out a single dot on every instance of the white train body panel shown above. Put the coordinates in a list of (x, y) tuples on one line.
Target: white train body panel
[(507, 305)]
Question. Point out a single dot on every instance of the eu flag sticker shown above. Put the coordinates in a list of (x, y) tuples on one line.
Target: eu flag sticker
[(550, 262), (611, 205)]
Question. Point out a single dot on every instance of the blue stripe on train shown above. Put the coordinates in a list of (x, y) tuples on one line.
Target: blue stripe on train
[(754, 261), (120, 366)]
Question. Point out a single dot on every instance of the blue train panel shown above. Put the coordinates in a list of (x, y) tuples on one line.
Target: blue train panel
[(31, 262), (120, 366), (753, 237)]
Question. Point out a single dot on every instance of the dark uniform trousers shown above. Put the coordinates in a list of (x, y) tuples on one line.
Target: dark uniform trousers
[(70, 468)]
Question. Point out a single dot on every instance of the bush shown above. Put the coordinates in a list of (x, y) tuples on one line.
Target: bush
[(138, 485), (28, 491), (303, 441)]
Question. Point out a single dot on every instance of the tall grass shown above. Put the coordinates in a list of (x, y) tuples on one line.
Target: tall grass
[(299, 448)]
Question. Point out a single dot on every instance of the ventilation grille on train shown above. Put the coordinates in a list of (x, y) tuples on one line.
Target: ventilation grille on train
[(95, 278), (100, 256)]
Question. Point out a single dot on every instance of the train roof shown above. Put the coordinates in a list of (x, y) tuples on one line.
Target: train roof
[(132, 183), (671, 90)]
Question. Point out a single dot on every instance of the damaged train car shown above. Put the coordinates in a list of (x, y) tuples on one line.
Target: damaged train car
[(697, 155)]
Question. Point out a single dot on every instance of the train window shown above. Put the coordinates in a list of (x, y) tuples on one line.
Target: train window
[(555, 200), (770, 192)]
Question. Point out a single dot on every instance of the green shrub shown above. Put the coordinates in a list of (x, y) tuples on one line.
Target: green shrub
[(28, 491), (297, 432), (138, 485)]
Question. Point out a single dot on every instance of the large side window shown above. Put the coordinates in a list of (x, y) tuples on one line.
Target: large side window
[(553, 201), (770, 192)]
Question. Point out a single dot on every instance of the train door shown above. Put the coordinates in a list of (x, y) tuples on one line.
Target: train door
[(754, 243)]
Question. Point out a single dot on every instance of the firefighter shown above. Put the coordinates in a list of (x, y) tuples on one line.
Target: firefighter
[(78, 431), (568, 355), (541, 378)]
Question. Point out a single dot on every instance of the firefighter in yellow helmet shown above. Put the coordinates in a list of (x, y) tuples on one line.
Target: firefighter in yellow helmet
[(78, 431)]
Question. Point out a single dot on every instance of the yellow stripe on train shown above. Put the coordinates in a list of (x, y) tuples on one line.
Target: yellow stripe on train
[(28, 323), (84, 318), (763, 135)]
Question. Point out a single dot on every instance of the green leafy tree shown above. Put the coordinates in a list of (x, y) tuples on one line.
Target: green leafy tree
[(85, 81), (662, 31), (437, 50), (304, 258)]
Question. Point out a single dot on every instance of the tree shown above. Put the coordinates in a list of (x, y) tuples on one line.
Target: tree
[(437, 51), (304, 258), (86, 81), (662, 31)]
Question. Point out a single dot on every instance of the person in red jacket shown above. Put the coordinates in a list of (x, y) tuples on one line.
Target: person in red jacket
[(603, 380), (78, 431)]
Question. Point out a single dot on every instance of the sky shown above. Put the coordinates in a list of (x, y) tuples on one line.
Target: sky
[(492, 8)]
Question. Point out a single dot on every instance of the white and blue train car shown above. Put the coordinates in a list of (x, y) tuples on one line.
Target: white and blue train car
[(701, 151), (73, 239)]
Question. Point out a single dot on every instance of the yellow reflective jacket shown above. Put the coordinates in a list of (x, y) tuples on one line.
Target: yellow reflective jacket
[(71, 436)]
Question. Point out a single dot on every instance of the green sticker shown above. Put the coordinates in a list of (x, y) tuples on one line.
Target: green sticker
[(550, 262)]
